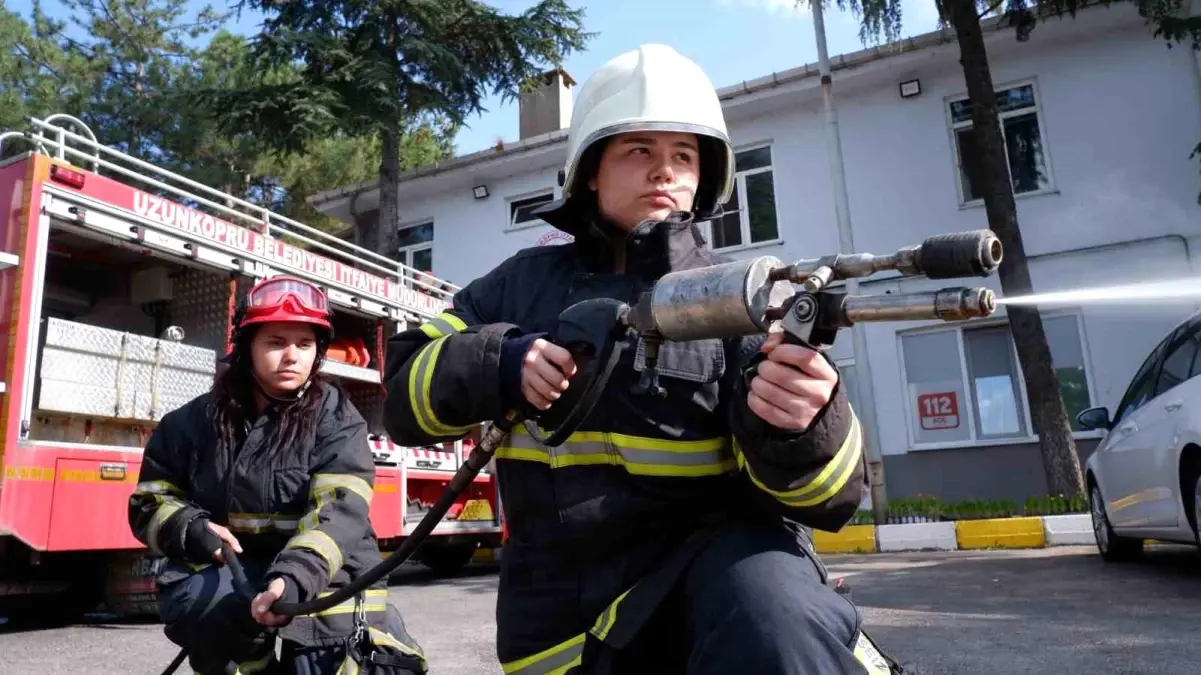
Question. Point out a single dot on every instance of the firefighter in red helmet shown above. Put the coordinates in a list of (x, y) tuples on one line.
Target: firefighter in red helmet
[(274, 461)]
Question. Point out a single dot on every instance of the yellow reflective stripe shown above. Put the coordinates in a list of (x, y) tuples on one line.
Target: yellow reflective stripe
[(442, 325), (870, 658), (167, 507), (158, 487), (331, 481), (256, 666), (604, 622), (636, 454), (554, 661), (829, 481), (257, 523), (323, 491), (384, 639), (421, 377), (320, 495), (376, 601), (323, 545)]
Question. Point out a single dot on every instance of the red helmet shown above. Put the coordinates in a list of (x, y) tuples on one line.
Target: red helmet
[(286, 298)]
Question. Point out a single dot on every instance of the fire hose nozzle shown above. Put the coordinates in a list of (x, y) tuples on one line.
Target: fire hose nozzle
[(975, 253), (947, 304)]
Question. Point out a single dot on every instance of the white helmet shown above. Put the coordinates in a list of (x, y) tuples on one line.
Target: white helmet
[(652, 88)]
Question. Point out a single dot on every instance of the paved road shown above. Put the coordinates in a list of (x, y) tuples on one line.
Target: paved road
[(1050, 611)]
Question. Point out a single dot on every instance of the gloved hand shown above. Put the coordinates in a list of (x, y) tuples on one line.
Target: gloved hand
[(203, 540)]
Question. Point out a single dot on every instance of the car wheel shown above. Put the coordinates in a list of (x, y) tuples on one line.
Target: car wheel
[(1197, 511), (1111, 547)]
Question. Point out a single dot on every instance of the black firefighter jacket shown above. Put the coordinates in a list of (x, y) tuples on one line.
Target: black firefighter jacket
[(302, 515), (616, 503)]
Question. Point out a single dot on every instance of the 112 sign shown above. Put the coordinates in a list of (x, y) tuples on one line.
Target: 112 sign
[(938, 411)]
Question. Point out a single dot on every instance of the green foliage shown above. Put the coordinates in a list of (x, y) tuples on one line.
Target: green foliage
[(406, 71), (924, 508), (881, 20), (392, 66)]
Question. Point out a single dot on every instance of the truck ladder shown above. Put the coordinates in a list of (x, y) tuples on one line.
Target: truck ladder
[(51, 139)]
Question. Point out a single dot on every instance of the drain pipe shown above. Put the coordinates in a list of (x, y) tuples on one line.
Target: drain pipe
[(842, 210)]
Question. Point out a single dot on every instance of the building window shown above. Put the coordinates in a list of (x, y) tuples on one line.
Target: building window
[(1025, 152), (848, 377), (415, 245), (521, 211), (750, 215), (964, 384)]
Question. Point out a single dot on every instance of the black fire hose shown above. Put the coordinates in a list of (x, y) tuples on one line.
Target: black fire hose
[(590, 331)]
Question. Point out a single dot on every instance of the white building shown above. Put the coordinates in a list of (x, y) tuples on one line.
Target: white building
[(1100, 118)]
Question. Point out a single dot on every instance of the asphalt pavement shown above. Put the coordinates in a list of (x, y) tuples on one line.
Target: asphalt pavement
[(1059, 610)]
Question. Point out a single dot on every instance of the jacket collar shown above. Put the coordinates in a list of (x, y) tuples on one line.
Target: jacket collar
[(652, 249)]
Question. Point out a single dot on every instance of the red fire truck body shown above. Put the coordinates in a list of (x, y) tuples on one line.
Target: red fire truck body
[(117, 288)]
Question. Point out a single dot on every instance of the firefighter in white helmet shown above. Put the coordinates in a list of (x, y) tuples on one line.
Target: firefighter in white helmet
[(665, 536)]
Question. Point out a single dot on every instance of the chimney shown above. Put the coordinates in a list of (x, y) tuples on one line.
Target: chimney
[(546, 107)]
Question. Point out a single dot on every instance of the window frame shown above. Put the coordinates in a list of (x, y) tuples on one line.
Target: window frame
[(969, 413), (552, 193), (404, 253), (1155, 358), (954, 127), (744, 218)]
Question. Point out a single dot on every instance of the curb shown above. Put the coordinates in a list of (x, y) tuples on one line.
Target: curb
[(1011, 533)]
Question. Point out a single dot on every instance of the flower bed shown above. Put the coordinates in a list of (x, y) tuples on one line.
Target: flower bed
[(928, 523)]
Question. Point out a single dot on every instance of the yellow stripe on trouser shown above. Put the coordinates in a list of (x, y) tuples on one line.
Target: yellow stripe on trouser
[(254, 666), (870, 657), (421, 378), (168, 500), (564, 656), (554, 661), (832, 478), (637, 455), (380, 638)]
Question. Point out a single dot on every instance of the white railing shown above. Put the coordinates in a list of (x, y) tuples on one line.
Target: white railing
[(255, 217)]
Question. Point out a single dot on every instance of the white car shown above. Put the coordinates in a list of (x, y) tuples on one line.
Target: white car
[(1144, 479)]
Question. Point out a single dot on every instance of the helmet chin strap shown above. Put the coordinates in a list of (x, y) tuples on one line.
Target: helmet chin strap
[(299, 392)]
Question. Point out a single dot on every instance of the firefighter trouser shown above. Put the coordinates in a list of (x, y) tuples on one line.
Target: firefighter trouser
[(754, 600), (205, 615)]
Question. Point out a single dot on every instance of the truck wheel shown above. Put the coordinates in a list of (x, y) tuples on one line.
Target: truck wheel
[(445, 559)]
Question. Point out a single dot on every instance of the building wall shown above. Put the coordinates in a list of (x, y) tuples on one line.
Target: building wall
[(1117, 114)]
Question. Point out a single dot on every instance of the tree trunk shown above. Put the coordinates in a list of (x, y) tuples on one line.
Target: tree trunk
[(1050, 419), (382, 237)]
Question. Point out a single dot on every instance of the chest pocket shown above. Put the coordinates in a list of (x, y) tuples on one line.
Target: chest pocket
[(699, 361), (289, 490)]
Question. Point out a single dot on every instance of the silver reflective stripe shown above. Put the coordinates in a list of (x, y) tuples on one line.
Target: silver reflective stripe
[(443, 324), (256, 523)]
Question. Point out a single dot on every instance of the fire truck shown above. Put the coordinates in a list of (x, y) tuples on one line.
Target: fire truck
[(118, 282)]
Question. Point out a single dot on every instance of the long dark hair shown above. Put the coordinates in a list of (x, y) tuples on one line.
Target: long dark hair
[(232, 403)]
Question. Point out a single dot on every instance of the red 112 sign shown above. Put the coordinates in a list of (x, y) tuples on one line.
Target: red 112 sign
[(938, 411)]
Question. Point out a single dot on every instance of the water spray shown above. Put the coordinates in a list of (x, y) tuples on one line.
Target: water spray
[(1178, 289)]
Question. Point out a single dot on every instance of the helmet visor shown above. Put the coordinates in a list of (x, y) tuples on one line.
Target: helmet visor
[(273, 292)]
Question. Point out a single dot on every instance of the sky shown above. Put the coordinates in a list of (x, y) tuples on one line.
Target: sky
[(731, 40)]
